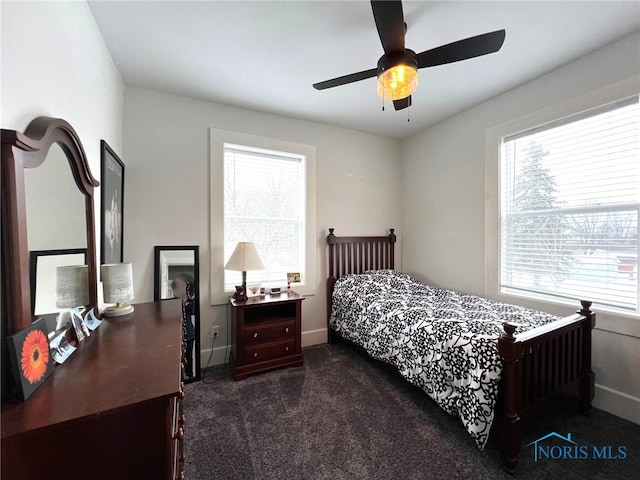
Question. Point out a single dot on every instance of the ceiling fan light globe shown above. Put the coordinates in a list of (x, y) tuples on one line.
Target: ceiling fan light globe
[(397, 82)]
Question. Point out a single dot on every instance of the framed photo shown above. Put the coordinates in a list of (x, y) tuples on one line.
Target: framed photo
[(253, 290), (80, 327), (112, 205), (293, 277), (30, 357)]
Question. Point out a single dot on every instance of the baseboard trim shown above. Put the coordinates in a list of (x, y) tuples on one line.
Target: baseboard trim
[(314, 337), (220, 356), (617, 403)]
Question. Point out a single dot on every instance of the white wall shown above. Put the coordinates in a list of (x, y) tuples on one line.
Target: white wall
[(444, 207), (166, 154), (55, 63)]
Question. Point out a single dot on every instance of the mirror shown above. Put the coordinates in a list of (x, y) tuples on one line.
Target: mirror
[(177, 276), (55, 208), (55, 215), (20, 153), (52, 210)]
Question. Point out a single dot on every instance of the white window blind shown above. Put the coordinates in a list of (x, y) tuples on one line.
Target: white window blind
[(570, 201), (264, 203)]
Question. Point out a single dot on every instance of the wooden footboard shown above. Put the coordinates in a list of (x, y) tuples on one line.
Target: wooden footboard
[(539, 365)]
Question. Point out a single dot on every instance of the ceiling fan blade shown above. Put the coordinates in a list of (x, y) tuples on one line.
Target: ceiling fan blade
[(353, 77), (402, 103), (390, 24), (462, 50)]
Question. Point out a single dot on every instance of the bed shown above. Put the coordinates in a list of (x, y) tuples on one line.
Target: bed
[(494, 365)]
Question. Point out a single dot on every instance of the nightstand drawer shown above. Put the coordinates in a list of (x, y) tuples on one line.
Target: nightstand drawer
[(269, 332), (258, 353)]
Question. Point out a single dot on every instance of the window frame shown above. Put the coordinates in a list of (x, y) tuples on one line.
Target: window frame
[(218, 139), (510, 213), (300, 162), (619, 321)]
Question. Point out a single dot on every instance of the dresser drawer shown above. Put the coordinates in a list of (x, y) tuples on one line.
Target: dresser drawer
[(268, 332), (259, 353)]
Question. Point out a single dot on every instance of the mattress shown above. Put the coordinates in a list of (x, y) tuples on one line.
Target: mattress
[(440, 340)]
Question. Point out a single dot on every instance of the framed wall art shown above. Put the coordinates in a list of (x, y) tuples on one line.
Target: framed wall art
[(112, 206)]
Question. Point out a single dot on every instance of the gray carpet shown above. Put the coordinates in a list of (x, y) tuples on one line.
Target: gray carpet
[(343, 416)]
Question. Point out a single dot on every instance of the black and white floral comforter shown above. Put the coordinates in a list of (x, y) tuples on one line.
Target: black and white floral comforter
[(440, 340)]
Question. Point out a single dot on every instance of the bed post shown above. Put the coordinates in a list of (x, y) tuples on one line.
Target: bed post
[(586, 389), (392, 248), (331, 281), (510, 435)]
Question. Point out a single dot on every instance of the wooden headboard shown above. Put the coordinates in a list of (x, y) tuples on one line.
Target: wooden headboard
[(357, 255)]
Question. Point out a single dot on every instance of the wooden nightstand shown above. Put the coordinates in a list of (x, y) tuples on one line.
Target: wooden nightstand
[(265, 333)]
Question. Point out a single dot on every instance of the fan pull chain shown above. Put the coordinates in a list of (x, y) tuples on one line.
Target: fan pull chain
[(408, 113), (383, 102)]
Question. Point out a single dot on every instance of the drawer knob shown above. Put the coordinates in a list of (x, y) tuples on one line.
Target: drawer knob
[(286, 349), (180, 434), (255, 335), (182, 420), (255, 355), (286, 330)]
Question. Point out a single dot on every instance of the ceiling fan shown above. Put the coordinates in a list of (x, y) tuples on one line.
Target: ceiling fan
[(397, 69)]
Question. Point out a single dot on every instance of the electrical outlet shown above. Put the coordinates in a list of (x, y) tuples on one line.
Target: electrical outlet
[(215, 330)]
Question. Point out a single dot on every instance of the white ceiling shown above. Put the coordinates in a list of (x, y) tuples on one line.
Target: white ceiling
[(266, 55)]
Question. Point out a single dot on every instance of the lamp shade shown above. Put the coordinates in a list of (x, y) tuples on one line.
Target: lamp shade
[(245, 258), (117, 282), (72, 286)]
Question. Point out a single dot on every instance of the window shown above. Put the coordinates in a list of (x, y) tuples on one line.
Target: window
[(264, 202), (569, 207), (262, 190)]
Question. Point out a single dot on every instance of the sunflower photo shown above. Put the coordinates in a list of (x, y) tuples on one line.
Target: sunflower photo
[(30, 357)]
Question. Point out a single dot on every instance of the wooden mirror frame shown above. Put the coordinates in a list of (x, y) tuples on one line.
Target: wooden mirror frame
[(29, 150)]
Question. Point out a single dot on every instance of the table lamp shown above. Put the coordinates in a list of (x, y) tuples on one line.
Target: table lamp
[(117, 287), (244, 258)]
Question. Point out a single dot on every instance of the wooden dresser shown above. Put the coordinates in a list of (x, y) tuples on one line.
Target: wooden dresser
[(113, 410), (266, 333)]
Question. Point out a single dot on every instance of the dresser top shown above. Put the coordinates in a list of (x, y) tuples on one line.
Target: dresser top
[(286, 296), (127, 360)]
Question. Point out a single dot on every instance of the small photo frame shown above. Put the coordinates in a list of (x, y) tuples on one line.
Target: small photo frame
[(30, 357), (253, 290), (293, 277), (82, 331), (91, 321), (60, 348)]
